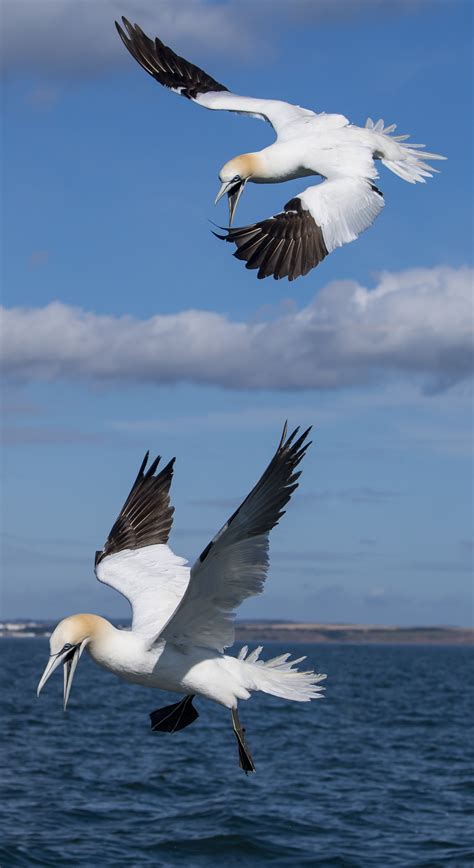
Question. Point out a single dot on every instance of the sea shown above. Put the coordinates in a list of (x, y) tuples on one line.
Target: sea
[(378, 773)]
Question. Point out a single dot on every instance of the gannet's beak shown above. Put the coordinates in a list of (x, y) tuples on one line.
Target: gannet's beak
[(233, 193), (69, 659), (222, 190)]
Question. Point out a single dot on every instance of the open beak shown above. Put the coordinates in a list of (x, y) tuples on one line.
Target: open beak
[(69, 659), (233, 194)]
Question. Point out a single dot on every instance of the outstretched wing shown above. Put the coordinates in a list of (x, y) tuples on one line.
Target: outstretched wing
[(311, 226), (234, 564), (183, 77), (136, 559)]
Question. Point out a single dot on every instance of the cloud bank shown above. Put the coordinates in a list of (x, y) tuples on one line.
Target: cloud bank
[(70, 37), (78, 37), (415, 323)]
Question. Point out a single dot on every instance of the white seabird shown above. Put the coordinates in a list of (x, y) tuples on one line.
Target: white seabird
[(322, 217), (182, 620)]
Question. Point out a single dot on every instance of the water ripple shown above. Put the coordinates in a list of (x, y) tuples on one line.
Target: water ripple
[(377, 774)]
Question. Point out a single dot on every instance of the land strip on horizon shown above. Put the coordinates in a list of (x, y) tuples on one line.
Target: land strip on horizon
[(295, 631)]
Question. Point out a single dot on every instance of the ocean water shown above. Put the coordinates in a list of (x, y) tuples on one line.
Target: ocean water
[(379, 773)]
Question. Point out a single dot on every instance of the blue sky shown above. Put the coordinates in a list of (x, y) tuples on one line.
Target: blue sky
[(130, 327)]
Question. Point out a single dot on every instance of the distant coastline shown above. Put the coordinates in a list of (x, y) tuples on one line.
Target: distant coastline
[(360, 634), (294, 631)]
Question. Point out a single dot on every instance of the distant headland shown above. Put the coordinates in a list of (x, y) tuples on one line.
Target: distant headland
[(294, 631), (360, 634)]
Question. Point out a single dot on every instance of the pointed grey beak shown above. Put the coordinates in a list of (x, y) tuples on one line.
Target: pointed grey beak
[(221, 192), (69, 659), (233, 193)]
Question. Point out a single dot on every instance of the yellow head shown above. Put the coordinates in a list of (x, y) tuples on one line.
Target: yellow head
[(233, 177), (66, 645)]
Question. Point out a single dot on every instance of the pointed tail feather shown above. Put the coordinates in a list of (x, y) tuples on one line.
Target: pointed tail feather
[(408, 161), (279, 677)]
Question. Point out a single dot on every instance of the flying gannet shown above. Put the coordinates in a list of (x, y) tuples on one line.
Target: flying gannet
[(322, 217), (182, 619)]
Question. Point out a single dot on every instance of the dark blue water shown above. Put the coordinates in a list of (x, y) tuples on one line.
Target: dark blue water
[(378, 773)]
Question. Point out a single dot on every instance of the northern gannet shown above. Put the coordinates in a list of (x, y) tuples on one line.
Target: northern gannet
[(322, 217), (182, 619)]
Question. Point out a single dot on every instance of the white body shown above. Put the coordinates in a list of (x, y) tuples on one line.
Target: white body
[(125, 653), (323, 147), (323, 144), (219, 677), (178, 634)]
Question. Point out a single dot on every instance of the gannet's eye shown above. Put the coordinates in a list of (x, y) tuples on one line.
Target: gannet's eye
[(67, 646), (235, 179)]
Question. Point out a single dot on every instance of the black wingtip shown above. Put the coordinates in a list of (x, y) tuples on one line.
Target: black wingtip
[(120, 32), (146, 516), (120, 29), (297, 444), (153, 466), (283, 434), (286, 441), (144, 464), (161, 62), (169, 468), (305, 433), (290, 439)]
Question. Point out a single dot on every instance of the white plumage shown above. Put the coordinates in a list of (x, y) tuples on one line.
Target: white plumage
[(321, 218), (153, 579), (182, 619)]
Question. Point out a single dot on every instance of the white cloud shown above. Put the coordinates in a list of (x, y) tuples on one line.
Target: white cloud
[(78, 36), (415, 323)]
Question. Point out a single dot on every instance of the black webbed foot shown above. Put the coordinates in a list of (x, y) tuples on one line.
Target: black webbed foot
[(172, 718)]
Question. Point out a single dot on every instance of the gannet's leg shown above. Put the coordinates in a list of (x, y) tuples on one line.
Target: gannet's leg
[(174, 717), (245, 757)]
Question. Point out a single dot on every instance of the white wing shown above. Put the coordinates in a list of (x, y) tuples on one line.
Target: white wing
[(343, 208), (234, 564), (281, 115), (153, 579), (183, 77), (135, 559), (310, 227)]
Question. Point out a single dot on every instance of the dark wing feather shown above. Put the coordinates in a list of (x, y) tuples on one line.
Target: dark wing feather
[(233, 566), (146, 516), (264, 505), (166, 67), (287, 245)]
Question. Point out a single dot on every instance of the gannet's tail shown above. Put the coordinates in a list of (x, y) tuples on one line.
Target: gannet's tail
[(279, 677), (405, 160)]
